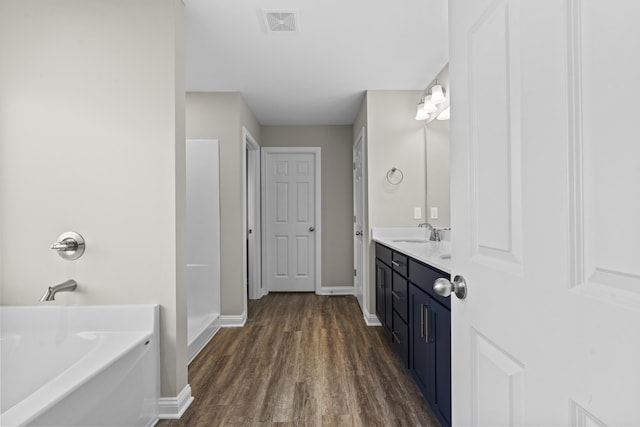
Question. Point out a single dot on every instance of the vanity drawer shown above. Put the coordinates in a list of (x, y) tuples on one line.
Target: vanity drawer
[(399, 293), (383, 253), (423, 277), (400, 339), (399, 263)]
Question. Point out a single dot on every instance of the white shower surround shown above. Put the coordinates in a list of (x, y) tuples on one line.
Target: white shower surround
[(203, 243)]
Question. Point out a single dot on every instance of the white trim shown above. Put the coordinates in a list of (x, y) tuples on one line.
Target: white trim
[(253, 220), (172, 408), (233, 320), (365, 234), (203, 339), (317, 152), (370, 319), (336, 290)]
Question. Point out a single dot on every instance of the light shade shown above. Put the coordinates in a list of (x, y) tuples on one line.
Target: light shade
[(429, 106), (445, 114), (437, 96), (422, 113)]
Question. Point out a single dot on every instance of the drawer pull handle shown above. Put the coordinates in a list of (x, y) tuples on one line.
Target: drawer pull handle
[(395, 264)]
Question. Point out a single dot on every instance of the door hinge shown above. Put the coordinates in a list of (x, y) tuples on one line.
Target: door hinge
[(355, 272), (354, 219), (354, 165)]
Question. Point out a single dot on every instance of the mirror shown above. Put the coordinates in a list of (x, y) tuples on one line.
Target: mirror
[(437, 164)]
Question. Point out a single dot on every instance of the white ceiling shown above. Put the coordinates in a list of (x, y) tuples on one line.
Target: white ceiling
[(316, 76)]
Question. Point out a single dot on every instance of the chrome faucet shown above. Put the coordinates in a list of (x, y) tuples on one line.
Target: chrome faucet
[(50, 294), (434, 235)]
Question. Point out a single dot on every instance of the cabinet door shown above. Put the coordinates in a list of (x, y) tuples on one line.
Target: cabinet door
[(421, 345), (383, 294), (388, 298), (380, 291), (441, 329)]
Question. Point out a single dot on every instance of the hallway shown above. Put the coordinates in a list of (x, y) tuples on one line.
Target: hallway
[(302, 359)]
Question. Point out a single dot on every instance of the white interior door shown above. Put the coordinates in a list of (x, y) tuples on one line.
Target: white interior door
[(358, 220), (546, 212), (291, 206)]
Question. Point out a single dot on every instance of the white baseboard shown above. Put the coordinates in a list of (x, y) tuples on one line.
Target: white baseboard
[(371, 319), (336, 290), (203, 339), (233, 321), (172, 408)]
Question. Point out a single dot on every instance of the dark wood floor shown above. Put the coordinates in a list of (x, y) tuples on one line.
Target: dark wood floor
[(302, 360)]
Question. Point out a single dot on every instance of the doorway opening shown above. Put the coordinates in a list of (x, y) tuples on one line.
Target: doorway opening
[(252, 259)]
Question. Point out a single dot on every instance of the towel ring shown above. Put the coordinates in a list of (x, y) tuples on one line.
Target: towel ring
[(394, 176)]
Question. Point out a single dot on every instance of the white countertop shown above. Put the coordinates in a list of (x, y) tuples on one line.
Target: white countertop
[(426, 251)]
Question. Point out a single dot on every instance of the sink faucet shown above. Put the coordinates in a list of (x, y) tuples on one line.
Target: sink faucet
[(434, 235), (68, 286)]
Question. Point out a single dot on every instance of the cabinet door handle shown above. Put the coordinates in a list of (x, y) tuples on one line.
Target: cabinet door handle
[(395, 264), (421, 321), (395, 294)]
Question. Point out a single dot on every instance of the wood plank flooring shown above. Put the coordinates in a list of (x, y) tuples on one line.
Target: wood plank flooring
[(302, 360)]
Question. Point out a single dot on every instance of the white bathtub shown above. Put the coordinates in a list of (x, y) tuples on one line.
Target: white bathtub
[(79, 365)]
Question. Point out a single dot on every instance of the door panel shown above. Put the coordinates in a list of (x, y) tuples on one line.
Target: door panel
[(544, 199), (289, 205)]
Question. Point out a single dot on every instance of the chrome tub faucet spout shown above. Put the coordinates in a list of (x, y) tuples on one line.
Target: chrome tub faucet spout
[(50, 294)]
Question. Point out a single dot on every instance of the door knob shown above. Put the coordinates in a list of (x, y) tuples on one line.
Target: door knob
[(444, 287), (312, 228), (358, 233)]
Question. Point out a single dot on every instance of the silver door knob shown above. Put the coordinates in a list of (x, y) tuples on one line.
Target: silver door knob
[(312, 228), (444, 287), (358, 233)]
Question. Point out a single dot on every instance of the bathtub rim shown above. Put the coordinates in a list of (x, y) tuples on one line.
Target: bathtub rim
[(53, 392)]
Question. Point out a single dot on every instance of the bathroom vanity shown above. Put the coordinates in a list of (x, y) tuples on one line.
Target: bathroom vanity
[(417, 319)]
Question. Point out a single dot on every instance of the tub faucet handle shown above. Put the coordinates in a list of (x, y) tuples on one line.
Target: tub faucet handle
[(70, 245), (65, 245)]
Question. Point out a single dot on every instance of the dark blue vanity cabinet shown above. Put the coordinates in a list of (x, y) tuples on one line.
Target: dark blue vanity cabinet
[(392, 298), (420, 325)]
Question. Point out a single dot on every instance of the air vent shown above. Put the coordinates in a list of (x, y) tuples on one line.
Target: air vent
[(281, 20)]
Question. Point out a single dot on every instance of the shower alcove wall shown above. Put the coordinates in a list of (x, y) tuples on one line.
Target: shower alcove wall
[(203, 243)]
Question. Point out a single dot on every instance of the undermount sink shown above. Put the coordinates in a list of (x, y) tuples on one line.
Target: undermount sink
[(445, 256), (411, 241)]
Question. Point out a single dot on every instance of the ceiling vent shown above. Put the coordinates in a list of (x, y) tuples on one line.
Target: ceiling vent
[(281, 20)]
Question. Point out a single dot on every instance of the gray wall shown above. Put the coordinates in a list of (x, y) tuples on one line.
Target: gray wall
[(336, 143), (221, 115), (394, 138), (92, 140)]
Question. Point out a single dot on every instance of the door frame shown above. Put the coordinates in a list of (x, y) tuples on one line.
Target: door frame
[(365, 235), (317, 152), (251, 217)]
